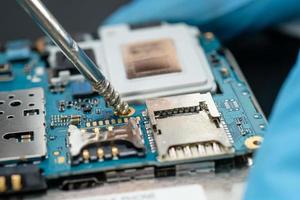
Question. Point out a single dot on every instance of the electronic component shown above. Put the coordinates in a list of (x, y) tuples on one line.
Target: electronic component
[(57, 88), (150, 58), (187, 126), (23, 178), (64, 120), (231, 105), (111, 142), (81, 89), (57, 62), (22, 122), (75, 119), (63, 64), (64, 71), (240, 123), (87, 108), (5, 72), (163, 60), (86, 104), (57, 125), (19, 50)]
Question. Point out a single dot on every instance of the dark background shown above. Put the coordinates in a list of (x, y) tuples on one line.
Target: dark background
[(265, 57), (76, 16)]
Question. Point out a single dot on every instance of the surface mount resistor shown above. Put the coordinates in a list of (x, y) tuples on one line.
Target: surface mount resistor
[(61, 106), (75, 119)]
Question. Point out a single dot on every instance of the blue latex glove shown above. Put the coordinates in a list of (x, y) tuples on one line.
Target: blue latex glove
[(226, 18), (276, 174)]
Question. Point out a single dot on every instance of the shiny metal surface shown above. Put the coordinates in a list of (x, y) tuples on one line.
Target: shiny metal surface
[(88, 137), (187, 127), (112, 97), (22, 122), (72, 51)]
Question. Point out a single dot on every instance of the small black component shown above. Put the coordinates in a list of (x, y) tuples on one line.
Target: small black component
[(214, 59), (221, 51), (82, 181), (87, 108), (95, 101), (61, 106), (31, 112), (165, 171), (240, 122), (69, 104), (21, 179), (129, 174), (60, 88), (98, 111), (63, 64), (5, 72)]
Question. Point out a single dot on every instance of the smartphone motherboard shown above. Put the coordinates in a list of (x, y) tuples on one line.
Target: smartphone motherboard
[(191, 110)]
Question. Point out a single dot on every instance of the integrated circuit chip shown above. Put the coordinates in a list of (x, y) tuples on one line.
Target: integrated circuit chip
[(187, 126), (162, 61), (62, 71), (63, 63), (150, 58)]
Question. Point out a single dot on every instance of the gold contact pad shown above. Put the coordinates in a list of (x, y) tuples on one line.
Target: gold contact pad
[(150, 58)]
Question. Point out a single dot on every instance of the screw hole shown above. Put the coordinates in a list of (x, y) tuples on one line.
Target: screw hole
[(31, 95), (11, 96), (15, 103), (159, 132), (10, 117), (1, 112), (257, 142)]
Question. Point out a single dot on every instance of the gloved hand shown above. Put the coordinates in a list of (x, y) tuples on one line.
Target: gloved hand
[(224, 18), (276, 173)]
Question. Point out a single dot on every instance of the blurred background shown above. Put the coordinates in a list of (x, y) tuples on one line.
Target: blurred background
[(17, 24), (265, 57)]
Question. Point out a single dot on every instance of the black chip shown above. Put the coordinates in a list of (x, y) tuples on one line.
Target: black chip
[(87, 108), (63, 63)]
